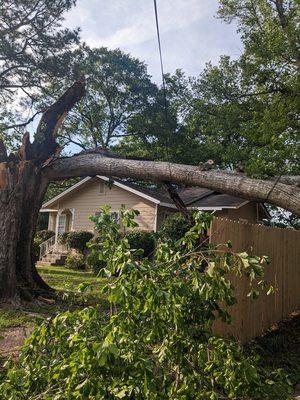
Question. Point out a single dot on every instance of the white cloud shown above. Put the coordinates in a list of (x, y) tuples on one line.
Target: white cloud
[(190, 34)]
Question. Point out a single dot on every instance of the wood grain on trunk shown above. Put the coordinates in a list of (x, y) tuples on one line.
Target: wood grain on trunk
[(277, 193)]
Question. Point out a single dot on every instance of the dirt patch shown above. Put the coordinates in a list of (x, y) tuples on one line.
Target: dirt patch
[(11, 339)]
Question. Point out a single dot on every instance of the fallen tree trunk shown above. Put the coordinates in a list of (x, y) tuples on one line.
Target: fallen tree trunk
[(274, 192), (24, 178)]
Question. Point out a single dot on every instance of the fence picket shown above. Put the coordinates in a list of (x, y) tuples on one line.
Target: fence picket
[(252, 318)]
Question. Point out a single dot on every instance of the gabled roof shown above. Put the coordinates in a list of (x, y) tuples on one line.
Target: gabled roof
[(123, 185), (193, 197)]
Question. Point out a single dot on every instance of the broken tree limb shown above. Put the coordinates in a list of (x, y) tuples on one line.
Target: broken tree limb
[(281, 195), (179, 203), (44, 144)]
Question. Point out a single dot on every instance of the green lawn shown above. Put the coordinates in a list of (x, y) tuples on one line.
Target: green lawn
[(64, 279), (10, 318), (66, 282)]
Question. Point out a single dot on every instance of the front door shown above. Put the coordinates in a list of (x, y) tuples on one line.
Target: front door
[(62, 221)]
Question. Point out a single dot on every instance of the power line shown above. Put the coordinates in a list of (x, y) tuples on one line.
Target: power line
[(161, 60)]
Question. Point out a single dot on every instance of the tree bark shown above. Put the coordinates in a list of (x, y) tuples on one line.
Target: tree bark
[(274, 192), (22, 189)]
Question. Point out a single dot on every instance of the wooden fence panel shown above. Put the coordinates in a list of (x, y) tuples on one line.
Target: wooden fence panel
[(253, 317)]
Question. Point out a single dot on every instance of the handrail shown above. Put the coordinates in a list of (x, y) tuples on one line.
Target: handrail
[(46, 246)]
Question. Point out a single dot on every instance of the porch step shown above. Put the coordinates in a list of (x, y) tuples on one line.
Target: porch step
[(43, 264), (54, 259), (57, 255)]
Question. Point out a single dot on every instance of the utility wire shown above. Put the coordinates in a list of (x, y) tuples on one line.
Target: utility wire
[(167, 143), (161, 60)]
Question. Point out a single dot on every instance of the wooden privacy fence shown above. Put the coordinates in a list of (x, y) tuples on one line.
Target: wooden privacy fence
[(253, 317)]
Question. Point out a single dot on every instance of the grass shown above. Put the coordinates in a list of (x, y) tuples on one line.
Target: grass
[(66, 282), (11, 318), (64, 279)]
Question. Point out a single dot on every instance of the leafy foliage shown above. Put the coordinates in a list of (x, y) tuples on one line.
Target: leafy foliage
[(34, 50), (75, 261), (143, 240), (157, 342), (44, 234), (118, 87), (174, 227), (159, 131), (108, 240), (78, 240), (241, 113)]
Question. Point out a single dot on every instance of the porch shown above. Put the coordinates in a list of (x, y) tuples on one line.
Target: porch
[(60, 221)]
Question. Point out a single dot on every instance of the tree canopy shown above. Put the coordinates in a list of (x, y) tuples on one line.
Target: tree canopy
[(241, 113), (34, 48), (118, 87)]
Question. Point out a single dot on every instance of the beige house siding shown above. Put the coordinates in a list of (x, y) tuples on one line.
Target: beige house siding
[(246, 213), (87, 200)]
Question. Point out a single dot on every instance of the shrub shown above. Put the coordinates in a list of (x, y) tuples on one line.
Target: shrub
[(158, 342), (44, 235), (173, 227), (78, 239), (94, 261), (142, 240), (75, 261), (63, 238), (36, 250)]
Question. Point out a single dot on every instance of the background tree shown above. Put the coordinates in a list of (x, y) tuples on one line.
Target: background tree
[(118, 87), (243, 113), (34, 48), (160, 131), (238, 126)]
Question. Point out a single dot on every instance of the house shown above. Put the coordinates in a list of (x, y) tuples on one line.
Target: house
[(71, 209)]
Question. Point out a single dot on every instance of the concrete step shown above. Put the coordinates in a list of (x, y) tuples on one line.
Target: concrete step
[(43, 264), (54, 259), (55, 254)]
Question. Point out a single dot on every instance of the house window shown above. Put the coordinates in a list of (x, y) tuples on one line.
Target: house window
[(101, 188), (62, 219)]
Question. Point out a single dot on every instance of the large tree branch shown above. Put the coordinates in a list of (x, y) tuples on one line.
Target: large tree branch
[(279, 194), (44, 144), (179, 203)]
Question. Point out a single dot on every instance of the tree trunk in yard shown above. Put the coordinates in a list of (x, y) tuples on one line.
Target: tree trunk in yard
[(9, 231), (22, 189)]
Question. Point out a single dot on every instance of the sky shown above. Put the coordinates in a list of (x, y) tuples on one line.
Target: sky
[(191, 35)]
